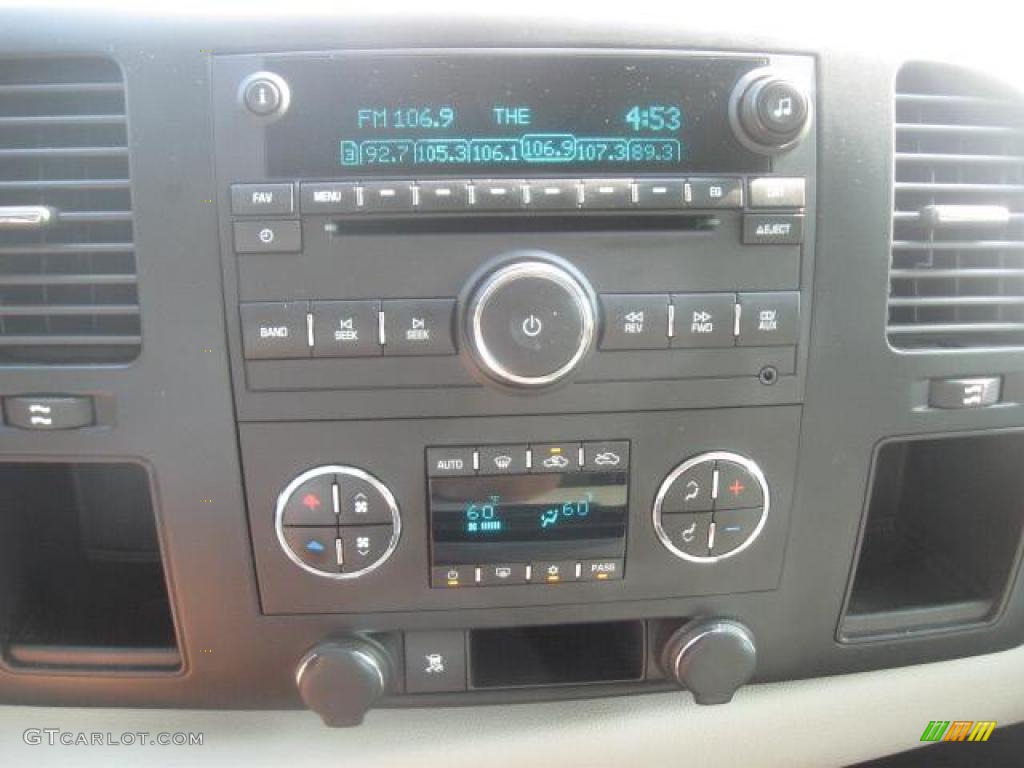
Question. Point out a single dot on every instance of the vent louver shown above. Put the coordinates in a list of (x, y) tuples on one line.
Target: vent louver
[(68, 289), (957, 273)]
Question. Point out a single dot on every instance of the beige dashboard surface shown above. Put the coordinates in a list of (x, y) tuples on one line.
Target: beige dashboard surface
[(824, 722)]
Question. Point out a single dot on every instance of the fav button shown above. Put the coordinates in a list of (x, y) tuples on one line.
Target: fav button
[(250, 199), (418, 326), (345, 328), (635, 321)]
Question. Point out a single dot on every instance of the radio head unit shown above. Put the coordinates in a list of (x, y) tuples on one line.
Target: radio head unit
[(415, 114)]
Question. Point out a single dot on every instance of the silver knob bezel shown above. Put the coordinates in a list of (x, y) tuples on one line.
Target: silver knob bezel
[(338, 469), (704, 458), (530, 270)]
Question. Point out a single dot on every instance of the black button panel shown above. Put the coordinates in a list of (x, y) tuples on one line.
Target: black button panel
[(537, 458), (711, 507), (518, 574), (337, 521), (463, 196)]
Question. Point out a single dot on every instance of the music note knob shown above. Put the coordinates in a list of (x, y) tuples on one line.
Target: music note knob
[(770, 112)]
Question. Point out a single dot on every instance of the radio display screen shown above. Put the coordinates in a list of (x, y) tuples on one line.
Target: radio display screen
[(524, 517), (506, 114)]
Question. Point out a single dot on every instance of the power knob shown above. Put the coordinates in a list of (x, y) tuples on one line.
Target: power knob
[(711, 658), (769, 112), (342, 679), (530, 319)]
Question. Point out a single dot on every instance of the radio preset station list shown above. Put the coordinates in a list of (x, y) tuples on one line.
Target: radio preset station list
[(421, 116)]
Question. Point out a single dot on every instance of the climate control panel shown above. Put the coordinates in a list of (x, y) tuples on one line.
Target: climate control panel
[(711, 507)]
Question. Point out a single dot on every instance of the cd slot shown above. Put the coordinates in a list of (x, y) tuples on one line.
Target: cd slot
[(583, 221)]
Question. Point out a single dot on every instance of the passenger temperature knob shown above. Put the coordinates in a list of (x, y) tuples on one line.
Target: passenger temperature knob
[(711, 658)]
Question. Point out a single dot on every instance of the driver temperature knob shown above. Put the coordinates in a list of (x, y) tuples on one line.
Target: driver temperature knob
[(342, 679), (711, 658), (530, 320)]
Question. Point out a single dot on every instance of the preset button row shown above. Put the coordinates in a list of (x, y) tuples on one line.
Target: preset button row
[(362, 328), (540, 572), (687, 320), (459, 195)]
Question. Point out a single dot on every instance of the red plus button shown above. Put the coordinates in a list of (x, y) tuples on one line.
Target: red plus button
[(737, 488)]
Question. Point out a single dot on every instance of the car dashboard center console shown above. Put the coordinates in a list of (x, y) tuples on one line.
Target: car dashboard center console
[(518, 371)]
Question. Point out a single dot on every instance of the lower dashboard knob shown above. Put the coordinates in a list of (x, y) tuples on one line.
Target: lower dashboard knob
[(711, 658), (341, 680), (530, 321)]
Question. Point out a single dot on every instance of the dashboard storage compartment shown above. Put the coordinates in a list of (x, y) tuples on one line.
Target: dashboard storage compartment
[(83, 584), (564, 654), (942, 536)]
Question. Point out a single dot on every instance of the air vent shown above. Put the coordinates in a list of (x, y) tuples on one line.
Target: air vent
[(957, 278), (68, 289)]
